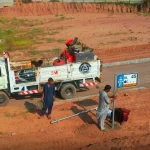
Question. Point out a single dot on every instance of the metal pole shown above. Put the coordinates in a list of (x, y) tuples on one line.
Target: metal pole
[(85, 111), (115, 88)]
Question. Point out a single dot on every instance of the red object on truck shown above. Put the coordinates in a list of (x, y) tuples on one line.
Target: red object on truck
[(59, 62), (68, 42), (69, 57)]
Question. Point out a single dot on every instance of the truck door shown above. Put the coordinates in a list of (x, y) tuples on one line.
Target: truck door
[(3, 78)]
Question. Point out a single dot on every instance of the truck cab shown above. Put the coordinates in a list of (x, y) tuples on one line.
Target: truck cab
[(3, 83), (3, 75)]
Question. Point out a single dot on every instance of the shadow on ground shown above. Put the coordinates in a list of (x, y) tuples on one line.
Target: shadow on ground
[(32, 108), (82, 104), (86, 102), (33, 96), (23, 97)]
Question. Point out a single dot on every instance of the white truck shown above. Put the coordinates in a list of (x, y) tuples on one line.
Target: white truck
[(23, 78)]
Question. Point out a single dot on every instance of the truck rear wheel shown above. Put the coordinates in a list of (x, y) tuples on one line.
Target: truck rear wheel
[(4, 99), (68, 91)]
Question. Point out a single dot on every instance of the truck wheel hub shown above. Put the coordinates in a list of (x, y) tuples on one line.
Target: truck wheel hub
[(2, 100), (68, 91)]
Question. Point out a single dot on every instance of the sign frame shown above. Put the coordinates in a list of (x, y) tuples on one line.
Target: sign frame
[(137, 79), (116, 88)]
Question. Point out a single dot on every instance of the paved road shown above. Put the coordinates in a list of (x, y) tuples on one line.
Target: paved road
[(108, 78), (143, 69)]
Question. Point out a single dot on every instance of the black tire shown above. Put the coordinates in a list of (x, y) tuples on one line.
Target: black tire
[(68, 91), (4, 99)]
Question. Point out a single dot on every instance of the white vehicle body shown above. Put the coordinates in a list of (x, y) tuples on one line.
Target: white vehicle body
[(31, 80)]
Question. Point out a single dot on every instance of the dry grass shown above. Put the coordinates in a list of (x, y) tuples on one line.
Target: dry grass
[(22, 34), (20, 113)]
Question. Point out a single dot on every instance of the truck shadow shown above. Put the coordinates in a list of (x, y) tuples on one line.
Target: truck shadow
[(34, 96), (85, 116), (23, 97), (32, 108)]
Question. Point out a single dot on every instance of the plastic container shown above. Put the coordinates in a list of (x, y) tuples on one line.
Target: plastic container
[(58, 62)]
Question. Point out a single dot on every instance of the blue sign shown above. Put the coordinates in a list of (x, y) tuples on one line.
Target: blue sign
[(120, 81)]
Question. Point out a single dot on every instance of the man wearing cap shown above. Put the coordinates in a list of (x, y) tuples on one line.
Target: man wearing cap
[(103, 106), (48, 97)]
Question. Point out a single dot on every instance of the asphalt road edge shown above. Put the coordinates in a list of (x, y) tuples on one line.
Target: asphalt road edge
[(60, 102), (126, 62)]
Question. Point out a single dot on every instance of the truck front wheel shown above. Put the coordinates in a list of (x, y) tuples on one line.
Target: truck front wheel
[(68, 91), (4, 99)]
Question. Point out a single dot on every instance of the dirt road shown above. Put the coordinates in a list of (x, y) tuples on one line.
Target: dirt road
[(108, 78), (115, 37), (20, 129)]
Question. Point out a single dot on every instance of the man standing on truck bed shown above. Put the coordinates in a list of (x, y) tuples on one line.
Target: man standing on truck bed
[(103, 106), (48, 97)]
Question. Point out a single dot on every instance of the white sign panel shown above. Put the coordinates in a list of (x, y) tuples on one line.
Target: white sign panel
[(127, 80), (130, 80)]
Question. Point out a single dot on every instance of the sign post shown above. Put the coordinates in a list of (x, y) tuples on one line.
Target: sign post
[(123, 81), (113, 110)]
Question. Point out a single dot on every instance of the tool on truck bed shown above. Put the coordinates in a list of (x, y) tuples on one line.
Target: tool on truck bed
[(75, 52)]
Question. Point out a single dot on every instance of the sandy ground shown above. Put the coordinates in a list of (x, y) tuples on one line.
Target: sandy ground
[(45, 8), (115, 37), (20, 128)]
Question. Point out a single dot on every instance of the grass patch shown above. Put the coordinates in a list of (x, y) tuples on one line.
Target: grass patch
[(56, 51), (18, 43), (13, 42), (24, 112), (143, 14), (56, 15), (7, 114), (5, 33), (4, 20), (114, 42), (119, 33), (3, 47), (59, 18), (50, 40), (38, 42), (147, 14), (48, 50), (18, 34), (53, 33), (36, 31), (34, 52), (62, 17), (61, 40)]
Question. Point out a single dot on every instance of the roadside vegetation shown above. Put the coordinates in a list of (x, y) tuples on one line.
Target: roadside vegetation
[(25, 35)]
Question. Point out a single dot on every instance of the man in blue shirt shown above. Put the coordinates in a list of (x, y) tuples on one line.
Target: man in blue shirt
[(48, 97)]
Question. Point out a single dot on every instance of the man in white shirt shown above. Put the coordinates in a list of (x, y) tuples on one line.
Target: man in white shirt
[(103, 106)]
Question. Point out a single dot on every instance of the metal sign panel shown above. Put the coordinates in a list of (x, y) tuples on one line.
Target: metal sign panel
[(122, 81), (127, 80)]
